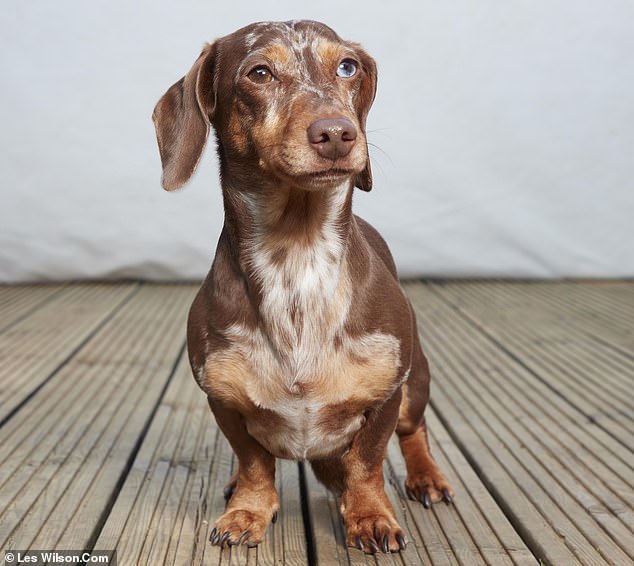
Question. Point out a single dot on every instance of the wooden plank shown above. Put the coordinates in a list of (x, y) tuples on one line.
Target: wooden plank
[(517, 460), (579, 318), (327, 532), (595, 440), (86, 421), (606, 496), (604, 310), (52, 407), (291, 519), (162, 504), (197, 456), (31, 437), (495, 536), (578, 368), (36, 347), (609, 303), (143, 537), (434, 529), (19, 301), (478, 531), (116, 530)]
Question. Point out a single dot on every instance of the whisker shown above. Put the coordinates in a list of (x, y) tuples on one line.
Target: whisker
[(381, 150), (378, 131)]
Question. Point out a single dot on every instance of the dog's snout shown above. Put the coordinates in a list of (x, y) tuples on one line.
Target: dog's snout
[(332, 137)]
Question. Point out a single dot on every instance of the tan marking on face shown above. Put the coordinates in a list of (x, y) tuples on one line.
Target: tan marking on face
[(272, 119), (279, 55), (329, 54)]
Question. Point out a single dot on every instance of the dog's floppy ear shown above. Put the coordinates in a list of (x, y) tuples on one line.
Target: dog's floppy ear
[(363, 102), (182, 120)]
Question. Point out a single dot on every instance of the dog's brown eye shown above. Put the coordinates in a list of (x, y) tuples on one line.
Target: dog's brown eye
[(347, 68), (260, 74)]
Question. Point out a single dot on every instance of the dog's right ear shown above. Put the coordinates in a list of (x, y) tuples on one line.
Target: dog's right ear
[(182, 119)]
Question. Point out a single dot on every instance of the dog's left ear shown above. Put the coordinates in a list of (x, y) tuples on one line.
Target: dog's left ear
[(363, 102), (182, 120)]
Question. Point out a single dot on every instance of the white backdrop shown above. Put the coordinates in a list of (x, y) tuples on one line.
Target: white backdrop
[(503, 135)]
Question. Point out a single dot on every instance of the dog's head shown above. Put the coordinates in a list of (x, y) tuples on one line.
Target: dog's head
[(290, 99)]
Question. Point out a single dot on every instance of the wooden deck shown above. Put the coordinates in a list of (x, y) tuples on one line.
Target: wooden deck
[(106, 441)]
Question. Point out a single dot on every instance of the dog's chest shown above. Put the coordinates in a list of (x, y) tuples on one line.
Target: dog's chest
[(311, 405)]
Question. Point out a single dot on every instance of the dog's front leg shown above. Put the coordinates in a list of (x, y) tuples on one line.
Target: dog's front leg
[(253, 502), (368, 514)]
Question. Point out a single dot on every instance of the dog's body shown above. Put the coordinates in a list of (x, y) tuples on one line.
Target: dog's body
[(300, 336)]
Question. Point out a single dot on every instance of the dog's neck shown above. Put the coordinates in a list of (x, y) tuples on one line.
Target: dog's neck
[(300, 235), (292, 252)]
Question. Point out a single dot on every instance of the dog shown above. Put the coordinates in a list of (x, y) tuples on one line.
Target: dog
[(300, 336)]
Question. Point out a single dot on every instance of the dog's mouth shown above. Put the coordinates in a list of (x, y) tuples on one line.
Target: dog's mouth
[(305, 171), (326, 178)]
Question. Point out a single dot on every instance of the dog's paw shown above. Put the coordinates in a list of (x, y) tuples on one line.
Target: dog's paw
[(429, 488), (241, 526), (374, 533)]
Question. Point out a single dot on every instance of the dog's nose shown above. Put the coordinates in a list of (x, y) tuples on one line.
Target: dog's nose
[(332, 137)]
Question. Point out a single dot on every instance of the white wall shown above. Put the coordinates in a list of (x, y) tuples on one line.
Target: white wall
[(503, 134)]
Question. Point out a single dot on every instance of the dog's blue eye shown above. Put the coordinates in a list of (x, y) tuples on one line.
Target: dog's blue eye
[(347, 68), (260, 74)]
